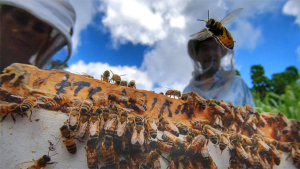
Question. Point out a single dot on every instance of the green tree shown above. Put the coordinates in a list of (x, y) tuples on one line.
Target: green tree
[(261, 84), (237, 72)]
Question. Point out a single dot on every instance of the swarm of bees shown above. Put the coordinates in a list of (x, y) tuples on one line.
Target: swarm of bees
[(120, 130)]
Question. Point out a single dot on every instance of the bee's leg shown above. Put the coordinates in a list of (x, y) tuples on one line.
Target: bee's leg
[(13, 117), (30, 116), (3, 118)]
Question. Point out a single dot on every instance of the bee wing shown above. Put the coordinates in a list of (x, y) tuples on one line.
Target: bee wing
[(141, 137), (231, 16), (121, 128), (102, 123), (82, 129), (204, 151), (170, 135), (202, 35), (153, 125), (109, 123), (157, 165), (134, 136), (172, 126), (25, 165), (93, 128), (140, 107)]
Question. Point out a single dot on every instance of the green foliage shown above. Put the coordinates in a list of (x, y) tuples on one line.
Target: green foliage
[(261, 84), (237, 72), (287, 103)]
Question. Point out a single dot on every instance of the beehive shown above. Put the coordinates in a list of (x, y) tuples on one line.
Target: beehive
[(269, 138)]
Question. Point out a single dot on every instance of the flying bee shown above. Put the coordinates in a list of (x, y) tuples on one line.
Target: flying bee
[(173, 93), (94, 127), (198, 123), (123, 83), (151, 127), (41, 163), (105, 76), (68, 139), (197, 143), (224, 141), (74, 117), (108, 152), (183, 128), (151, 161), (132, 84), (111, 124), (92, 154), (218, 31), (86, 107), (169, 126), (8, 108), (139, 103), (116, 78)]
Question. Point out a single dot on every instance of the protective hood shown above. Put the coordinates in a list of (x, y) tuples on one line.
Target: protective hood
[(61, 16)]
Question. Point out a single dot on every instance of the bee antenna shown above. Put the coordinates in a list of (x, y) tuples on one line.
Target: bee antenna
[(201, 20)]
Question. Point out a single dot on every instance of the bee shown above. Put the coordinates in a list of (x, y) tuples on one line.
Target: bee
[(62, 99), (233, 162), (250, 124), (249, 161), (183, 128), (94, 126), (116, 78), (68, 140), (83, 125), (111, 124), (92, 154), (261, 121), (269, 117), (218, 31), (118, 98), (241, 153), (224, 141), (282, 120), (263, 147), (105, 76), (135, 102), (103, 118), (138, 136), (15, 98), (151, 161), (151, 127), (238, 117), (198, 123), (194, 132), (102, 100), (124, 83), (218, 120), (121, 131), (295, 153), (232, 128), (169, 126), (173, 93), (179, 145), (132, 84), (49, 103), (8, 108), (275, 154), (124, 164), (86, 107), (186, 162), (249, 109), (211, 133), (74, 117), (108, 152), (161, 146), (35, 164), (216, 108), (197, 143), (284, 146), (200, 100)]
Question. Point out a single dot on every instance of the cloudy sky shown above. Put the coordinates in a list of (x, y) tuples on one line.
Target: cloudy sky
[(147, 40)]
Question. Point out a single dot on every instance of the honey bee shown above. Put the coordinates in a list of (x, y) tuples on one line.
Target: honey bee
[(269, 117), (50, 104), (105, 76), (173, 93), (186, 162), (86, 107), (249, 109), (123, 83), (169, 126), (216, 108), (183, 128), (200, 100), (116, 78), (275, 154), (124, 164), (132, 84), (218, 121), (41, 163), (83, 125), (60, 99), (135, 102), (232, 128), (108, 152), (161, 146), (151, 127), (194, 132), (8, 108), (218, 31), (111, 124), (179, 144), (211, 133), (151, 161), (197, 143), (27, 104), (14, 98), (138, 136), (94, 126), (68, 140), (198, 123), (103, 118), (241, 153), (238, 117), (263, 147), (74, 117), (261, 121), (92, 154), (249, 161), (282, 120), (121, 131), (224, 141), (102, 100), (233, 162)]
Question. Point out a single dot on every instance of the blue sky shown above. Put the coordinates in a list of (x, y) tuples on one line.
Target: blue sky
[(146, 40)]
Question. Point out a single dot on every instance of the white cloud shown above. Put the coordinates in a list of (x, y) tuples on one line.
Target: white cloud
[(292, 7), (165, 26)]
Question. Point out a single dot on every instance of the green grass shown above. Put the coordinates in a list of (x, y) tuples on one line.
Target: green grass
[(287, 103)]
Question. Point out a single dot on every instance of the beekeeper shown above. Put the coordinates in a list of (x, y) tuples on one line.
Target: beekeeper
[(36, 32), (214, 75)]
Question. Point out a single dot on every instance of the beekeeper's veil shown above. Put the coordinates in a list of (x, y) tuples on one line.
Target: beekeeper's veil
[(61, 16), (226, 70)]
